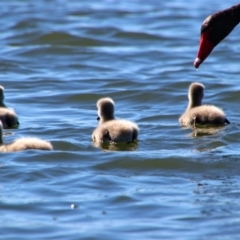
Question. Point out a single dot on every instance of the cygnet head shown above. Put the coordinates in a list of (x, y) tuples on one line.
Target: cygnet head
[(105, 110), (195, 94), (2, 97)]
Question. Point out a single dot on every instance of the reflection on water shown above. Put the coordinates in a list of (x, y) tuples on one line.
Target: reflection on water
[(205, 131), (111, 146)]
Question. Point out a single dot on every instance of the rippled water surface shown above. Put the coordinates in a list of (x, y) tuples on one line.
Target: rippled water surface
[(57, 58)]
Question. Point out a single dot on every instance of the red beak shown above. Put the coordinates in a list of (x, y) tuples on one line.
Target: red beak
[(205, 48)]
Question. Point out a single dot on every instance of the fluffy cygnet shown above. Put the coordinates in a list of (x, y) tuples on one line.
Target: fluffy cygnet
[(7, 116), (23, 144), (111, 129), (197, 114)]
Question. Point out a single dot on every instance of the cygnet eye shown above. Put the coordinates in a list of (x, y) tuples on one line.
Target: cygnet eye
[(98, 118)]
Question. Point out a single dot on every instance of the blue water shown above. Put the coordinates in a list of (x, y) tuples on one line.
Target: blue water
[(57, 58)]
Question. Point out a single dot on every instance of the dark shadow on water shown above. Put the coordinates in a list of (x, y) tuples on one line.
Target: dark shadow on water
[(207, 131), (116, 146)]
